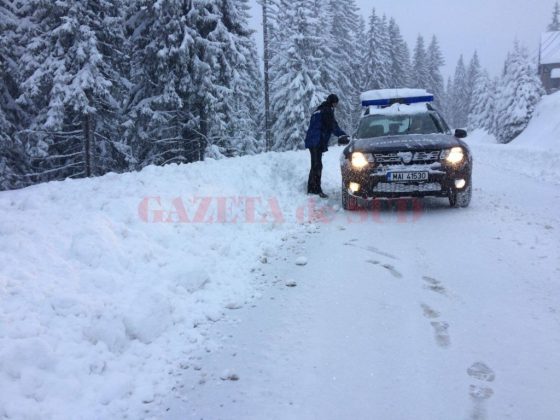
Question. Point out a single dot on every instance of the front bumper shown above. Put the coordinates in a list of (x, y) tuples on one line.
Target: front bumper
[(374, 183)]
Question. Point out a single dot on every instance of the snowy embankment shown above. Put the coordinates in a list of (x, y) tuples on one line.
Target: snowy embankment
[(535, 152), (104, 292)]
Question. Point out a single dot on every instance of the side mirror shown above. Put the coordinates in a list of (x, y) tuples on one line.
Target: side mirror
[(460, 133), (343, 140)]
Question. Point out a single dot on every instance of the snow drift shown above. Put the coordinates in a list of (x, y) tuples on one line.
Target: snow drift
[(543, 131), (106, 284), (535, 152)]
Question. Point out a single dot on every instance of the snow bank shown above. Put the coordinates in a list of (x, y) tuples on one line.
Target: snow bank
[(534, 153), (543, 131), (533, 162), (106, 284)]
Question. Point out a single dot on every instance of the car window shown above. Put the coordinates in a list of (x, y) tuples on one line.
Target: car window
[(394, 125)]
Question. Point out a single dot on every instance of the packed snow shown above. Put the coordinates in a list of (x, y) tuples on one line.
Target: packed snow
[(373, 95)]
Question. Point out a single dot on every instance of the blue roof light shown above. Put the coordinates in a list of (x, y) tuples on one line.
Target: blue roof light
[(391, 101)]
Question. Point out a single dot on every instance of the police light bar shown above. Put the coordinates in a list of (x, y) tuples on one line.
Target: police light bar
[(386, 97)]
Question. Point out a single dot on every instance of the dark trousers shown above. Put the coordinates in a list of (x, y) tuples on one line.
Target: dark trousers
[(314, 182)]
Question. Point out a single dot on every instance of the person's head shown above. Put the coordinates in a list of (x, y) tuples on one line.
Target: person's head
[(332, 99)]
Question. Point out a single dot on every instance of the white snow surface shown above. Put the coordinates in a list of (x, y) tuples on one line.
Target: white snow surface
[(372, 95), (427, 313), (102, 298), (112, 306), (398, 109), (543, 131)]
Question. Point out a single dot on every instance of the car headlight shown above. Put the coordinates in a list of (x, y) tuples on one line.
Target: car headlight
[(454, 155), (359, 160)]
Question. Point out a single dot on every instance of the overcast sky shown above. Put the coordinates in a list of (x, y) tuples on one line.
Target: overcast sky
[(488, 26)]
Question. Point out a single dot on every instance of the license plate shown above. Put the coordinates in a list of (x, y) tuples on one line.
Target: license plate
[(407, 176)]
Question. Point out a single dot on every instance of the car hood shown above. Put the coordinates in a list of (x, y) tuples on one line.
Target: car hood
[(415, 142)]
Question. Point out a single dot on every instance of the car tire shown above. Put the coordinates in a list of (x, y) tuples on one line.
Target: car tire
[(460, 198), (348, 202)]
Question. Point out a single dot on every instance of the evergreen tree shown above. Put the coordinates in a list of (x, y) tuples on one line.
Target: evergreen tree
[(344, 22), (481, 115), (13, 162), (168, 63), (378, 60), (296, 83), (518, 93), (555, 24), (420, 72), (236, 116), (400, 57), (446, 111), (69, 85), (360, 69), (472, 75), (459, 96), (434, 63)]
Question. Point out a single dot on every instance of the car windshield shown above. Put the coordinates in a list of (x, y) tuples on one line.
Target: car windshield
[(394, 125)]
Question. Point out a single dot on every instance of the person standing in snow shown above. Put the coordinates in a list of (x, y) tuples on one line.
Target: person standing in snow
[(321, 127)]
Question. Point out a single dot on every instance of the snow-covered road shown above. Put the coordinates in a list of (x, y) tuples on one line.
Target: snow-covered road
[(434, 314)]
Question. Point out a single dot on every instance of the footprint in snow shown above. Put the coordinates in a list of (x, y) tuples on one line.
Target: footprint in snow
[(441, 333), (482, 372), (382, 253), (373, 249), (388, 267), (480, 393), (434, 285), (429, 312)]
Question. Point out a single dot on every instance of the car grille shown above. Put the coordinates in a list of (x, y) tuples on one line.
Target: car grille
[(386, 187), (424, 157)]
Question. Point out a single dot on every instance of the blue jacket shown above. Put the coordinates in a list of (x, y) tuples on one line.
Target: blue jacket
[(321, 127)]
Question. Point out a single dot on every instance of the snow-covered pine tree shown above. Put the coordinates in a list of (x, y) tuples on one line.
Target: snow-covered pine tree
[(434, 63), (446, 104), (481, 115), (343, 25), (420, 76), (296, 84), (473, 72), (518, 93), (160, 126), (13, 162), (555, 24), (68, 86), (378, 60), (459, 97), (239, 79), (400, 57)]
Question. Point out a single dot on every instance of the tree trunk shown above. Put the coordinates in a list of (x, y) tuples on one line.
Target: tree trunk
[(266, 42), (88, 144)]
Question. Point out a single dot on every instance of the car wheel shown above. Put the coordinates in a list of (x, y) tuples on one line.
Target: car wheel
[(460, 198), (348, 202)]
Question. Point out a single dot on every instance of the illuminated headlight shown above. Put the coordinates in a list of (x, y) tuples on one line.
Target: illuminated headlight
[(359, 160), (460, 183), (454, 155), (354, 187)]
